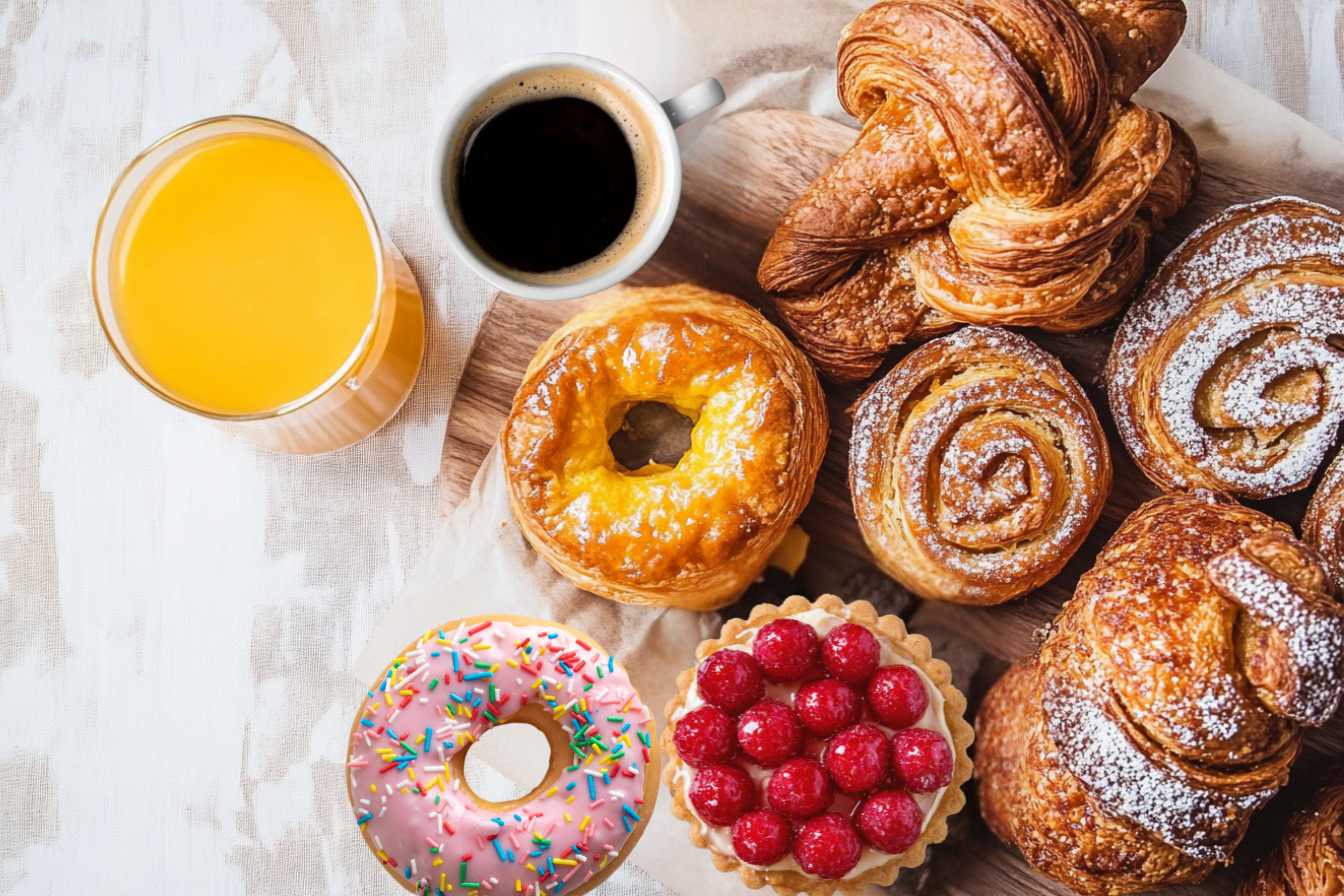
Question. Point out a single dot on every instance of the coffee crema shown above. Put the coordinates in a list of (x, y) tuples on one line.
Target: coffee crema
[(556, 177)]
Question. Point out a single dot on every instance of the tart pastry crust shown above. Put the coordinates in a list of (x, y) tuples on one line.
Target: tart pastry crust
[(915, 649), (1227, 373), (693, 535), (1166, 705), (1001, 176), (977, 467)]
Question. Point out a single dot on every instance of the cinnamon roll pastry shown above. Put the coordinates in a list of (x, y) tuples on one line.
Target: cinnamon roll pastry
[(1166, 704), (1227, 373), (1323, 524), (690, 534), (1310, 862), (977, 467), (1001, 175)]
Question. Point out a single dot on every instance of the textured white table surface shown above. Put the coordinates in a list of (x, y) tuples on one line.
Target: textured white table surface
[(177, 611)]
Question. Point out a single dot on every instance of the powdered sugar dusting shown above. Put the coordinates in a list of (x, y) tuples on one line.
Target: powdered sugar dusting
[(1127, 782), (1254, 295), (1311, 625)]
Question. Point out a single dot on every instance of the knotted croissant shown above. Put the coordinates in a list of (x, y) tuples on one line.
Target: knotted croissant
[(1165, 706), (1227, 374), (1001, 175), (1310, 862)]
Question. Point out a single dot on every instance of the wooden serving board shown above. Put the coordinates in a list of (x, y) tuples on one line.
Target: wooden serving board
[(739, 176)]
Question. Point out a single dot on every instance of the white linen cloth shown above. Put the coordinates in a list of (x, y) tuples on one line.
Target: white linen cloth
[(178, 612)]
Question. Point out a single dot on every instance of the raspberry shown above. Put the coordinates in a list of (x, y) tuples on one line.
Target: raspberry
[(850, 653), (800, 789), (897, 696), (786, 649), (858, 758), (826, 706), (704, 736), (721, 793), (921, 760), (827, 846), (762, 837), (890, 820), (731, 680), (769, 733)]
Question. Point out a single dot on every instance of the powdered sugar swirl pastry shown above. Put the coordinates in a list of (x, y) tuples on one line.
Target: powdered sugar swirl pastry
[(1226, 374), (977, 467), (1310, 862), (1166, 705)]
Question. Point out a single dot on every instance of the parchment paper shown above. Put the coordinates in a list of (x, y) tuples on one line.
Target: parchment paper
[(479, 561)]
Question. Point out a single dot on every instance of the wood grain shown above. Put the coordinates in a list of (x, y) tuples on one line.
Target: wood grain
[(739, 176)]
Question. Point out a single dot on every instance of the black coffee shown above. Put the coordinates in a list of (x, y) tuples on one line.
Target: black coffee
[(547, 184)]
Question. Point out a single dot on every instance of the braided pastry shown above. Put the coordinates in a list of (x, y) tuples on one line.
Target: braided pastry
[(1323, 524), (1001, 175), (977, 467), (1310, 862), (1225, 374), (1165, 706)]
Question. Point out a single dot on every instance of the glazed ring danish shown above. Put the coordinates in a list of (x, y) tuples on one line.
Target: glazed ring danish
[(695, 534)]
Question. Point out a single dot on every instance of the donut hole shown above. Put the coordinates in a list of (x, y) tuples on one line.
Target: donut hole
[(507, 763), (649, 437)]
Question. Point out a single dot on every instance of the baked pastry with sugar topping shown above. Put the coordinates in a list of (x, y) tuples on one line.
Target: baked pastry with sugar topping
[(1227, 373), (1323, 524), (693, 534), (1310, 861), (816, 747), (977, 467), (1002, 175), (1166, 704)]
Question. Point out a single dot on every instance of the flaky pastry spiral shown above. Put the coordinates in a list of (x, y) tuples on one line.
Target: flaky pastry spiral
[(1310, 861), (1166, 704), (1001, 175), (1227, 373), (977, 467), (1323, 524), (694, 534)]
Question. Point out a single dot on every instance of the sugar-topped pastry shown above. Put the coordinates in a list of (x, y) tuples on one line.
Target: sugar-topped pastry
[(409, 744)]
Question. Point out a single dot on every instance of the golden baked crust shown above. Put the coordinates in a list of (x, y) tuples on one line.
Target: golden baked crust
[(693, 535), (977, 467), (917, 650), (1165, 706), (1310, 861), (1226, 374), (1002, 175), (1323, 524)]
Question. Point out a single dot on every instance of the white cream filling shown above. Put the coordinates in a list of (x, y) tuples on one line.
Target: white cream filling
[(822, 621)]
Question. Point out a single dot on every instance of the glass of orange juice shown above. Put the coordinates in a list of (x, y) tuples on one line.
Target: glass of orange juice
[(239, 274)]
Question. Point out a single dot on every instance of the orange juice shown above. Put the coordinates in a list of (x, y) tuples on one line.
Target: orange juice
[(245, 275), (238, 274)]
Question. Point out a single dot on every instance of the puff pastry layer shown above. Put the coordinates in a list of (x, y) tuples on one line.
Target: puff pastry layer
[(1001, 175), (977, 467), (691, 535), (1166, 704), (1310, 862), (1227, 373)]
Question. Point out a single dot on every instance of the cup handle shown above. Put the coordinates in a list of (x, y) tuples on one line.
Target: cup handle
[(694, 101)]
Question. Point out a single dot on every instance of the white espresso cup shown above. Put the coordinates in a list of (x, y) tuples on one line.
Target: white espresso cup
[(648, 126)]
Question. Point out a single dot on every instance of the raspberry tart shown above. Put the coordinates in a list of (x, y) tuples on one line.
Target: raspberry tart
[(816, 747)]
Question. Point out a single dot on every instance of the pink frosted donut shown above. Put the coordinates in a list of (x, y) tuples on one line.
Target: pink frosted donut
[(410, 739)]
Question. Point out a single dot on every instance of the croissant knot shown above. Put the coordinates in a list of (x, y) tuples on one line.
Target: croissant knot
[(1001, 176)]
